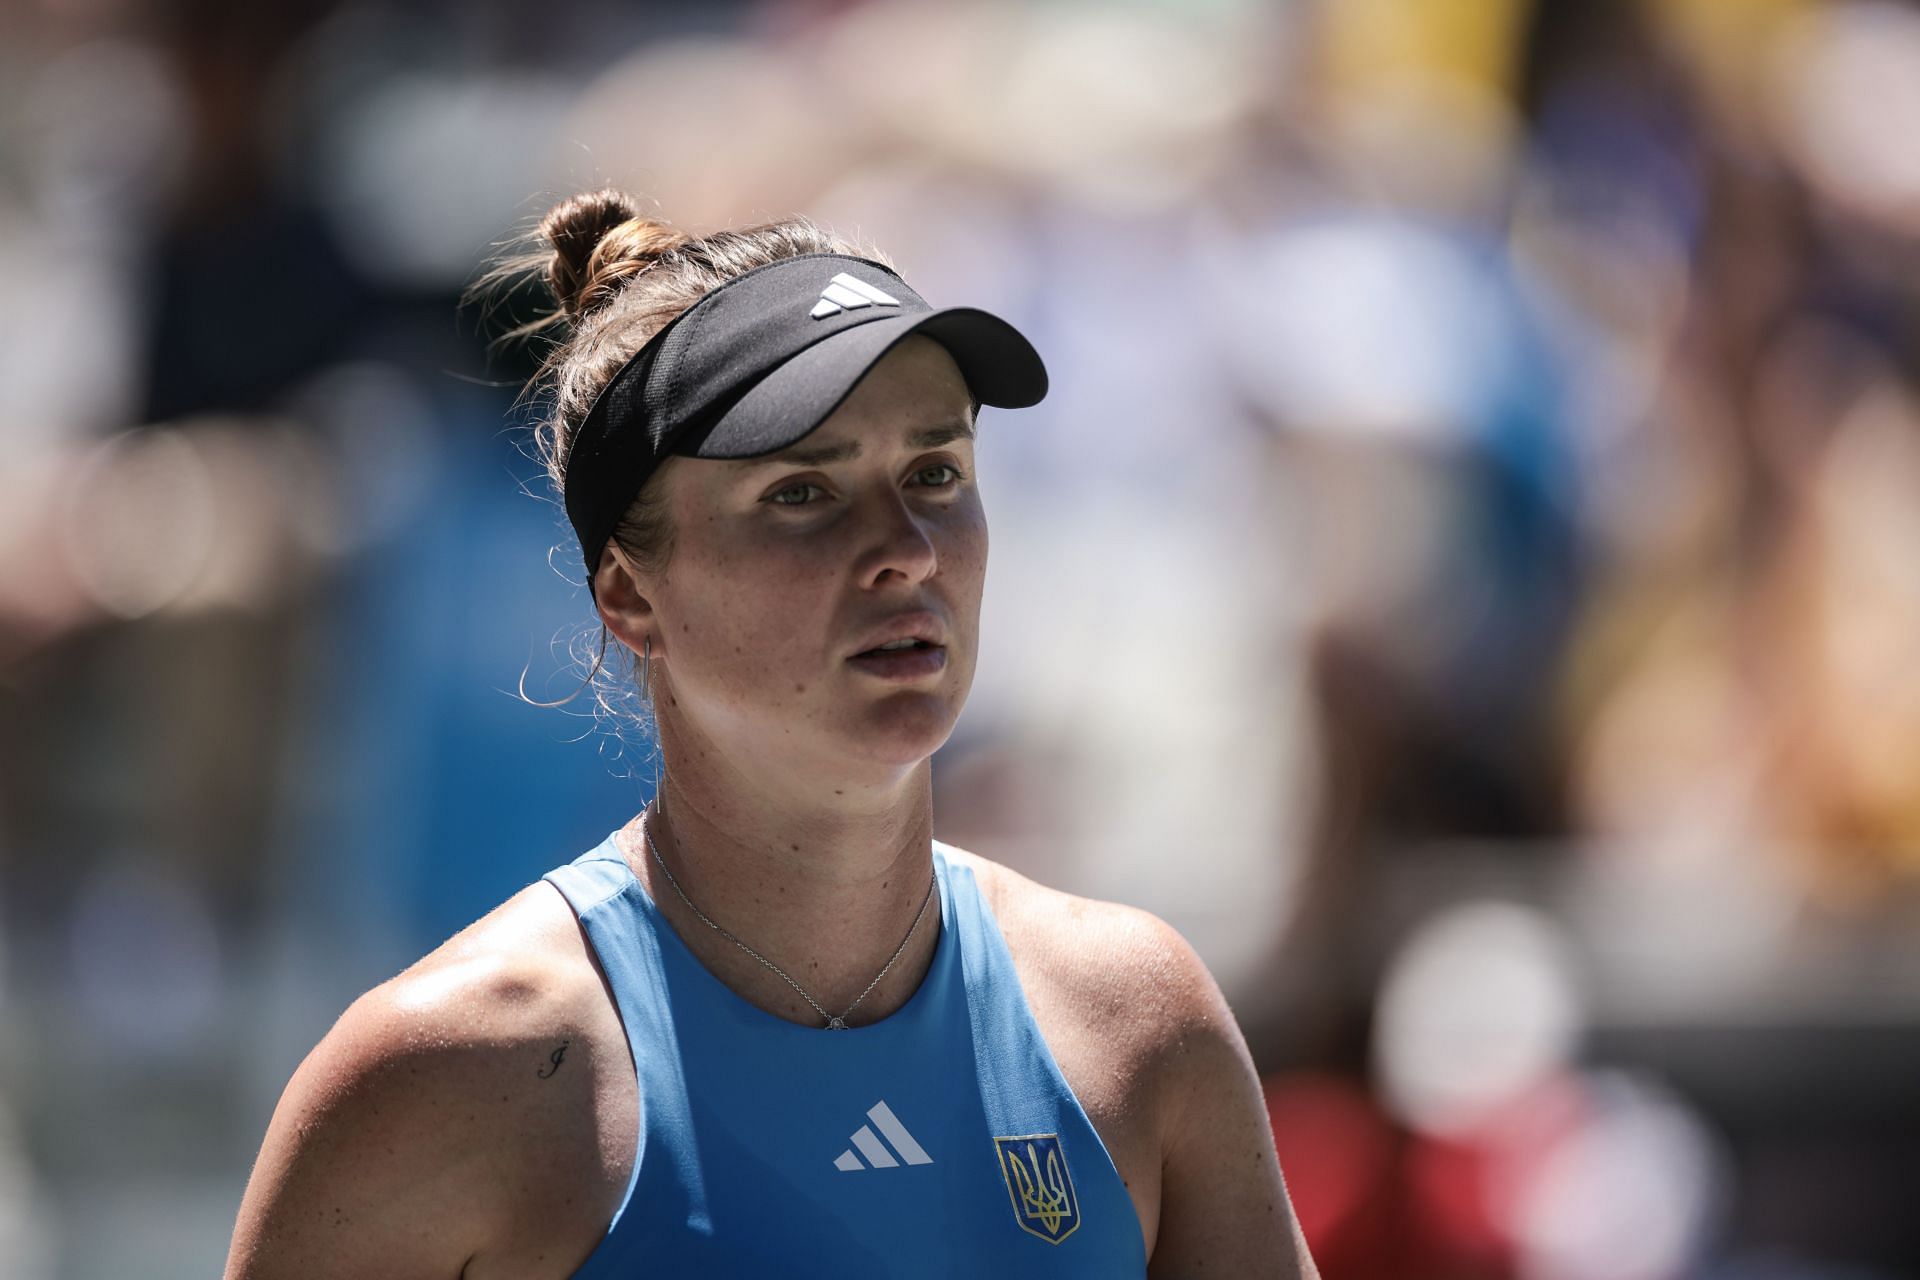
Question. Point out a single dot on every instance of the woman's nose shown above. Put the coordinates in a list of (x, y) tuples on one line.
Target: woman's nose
[(899, 543)]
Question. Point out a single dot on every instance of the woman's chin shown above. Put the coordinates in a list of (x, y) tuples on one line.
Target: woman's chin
[(903, 730)]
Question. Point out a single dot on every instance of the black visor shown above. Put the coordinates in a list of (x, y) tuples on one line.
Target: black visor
[(761, 361)]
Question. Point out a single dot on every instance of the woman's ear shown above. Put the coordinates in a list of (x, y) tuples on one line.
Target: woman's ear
[(623, 604)]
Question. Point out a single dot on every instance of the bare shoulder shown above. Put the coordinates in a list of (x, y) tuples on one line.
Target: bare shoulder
[(1129, 1010), (442, 1110), (1126, 971), (1145, 1038)]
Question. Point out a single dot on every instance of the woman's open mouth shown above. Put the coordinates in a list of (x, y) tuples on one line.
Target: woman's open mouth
[(902, 660)]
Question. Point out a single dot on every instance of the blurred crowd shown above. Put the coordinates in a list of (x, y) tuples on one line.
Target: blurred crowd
[(1459, 576)]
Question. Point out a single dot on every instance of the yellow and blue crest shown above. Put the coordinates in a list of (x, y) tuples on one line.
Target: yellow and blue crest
[(1035, 1168)]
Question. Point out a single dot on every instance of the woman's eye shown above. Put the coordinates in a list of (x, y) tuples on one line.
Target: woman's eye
[(794, 495), (941, 473)]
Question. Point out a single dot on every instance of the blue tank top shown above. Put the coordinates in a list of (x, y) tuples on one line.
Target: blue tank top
[(939, 1141)]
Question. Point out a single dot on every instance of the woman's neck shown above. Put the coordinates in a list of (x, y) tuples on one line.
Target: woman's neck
[(824, 886)]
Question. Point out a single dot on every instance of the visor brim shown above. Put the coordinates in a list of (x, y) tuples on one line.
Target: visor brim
[(1000, 366)]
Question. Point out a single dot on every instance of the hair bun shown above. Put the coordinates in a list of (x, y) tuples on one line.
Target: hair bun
[(601, 239)]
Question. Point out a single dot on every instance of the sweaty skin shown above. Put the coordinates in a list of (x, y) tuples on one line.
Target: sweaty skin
[(475, 1116)]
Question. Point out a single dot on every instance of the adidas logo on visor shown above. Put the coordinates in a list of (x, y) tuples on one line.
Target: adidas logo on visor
[(868, 1144), (848, 293)]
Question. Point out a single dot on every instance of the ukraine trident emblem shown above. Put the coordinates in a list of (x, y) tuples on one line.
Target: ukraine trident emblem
[(1035, 1169)]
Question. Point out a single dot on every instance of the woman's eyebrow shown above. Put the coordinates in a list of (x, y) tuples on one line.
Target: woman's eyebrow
[(815, 455), (945, 433), (806, 455)]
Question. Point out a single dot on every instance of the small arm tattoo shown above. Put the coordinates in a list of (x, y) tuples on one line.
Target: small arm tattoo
[(561, 1052)]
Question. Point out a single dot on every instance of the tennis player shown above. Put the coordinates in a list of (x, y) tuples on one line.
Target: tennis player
[(772, 1026)]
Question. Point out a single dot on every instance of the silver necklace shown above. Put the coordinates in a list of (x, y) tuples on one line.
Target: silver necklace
[(833, 1023)]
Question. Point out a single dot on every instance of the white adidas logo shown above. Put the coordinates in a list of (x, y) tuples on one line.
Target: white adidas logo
[(875, 1151), (849, 293)]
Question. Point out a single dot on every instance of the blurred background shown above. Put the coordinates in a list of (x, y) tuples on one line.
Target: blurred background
[(1463, 576)]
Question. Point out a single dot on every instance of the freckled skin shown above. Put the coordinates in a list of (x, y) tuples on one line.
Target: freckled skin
[(852, 544)]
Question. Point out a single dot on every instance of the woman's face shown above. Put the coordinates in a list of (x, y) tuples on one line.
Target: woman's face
[(788, 570)]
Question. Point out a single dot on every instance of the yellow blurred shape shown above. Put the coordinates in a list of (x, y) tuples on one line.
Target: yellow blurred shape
[(1374, 45)]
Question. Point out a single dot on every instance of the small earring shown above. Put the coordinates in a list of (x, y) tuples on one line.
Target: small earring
[(646, 670)]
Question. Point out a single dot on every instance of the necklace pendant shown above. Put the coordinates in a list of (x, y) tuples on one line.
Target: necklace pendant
[(836, 1024)]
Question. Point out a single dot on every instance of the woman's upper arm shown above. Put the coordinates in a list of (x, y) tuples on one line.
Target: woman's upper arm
[(1223, 1203), (370, 1167)]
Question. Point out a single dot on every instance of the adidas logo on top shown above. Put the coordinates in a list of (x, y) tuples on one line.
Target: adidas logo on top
[(877, 1154), (849, 293)]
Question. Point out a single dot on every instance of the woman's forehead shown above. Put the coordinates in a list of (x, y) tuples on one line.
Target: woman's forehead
[(917, 376), (847, 440), (837, 440)]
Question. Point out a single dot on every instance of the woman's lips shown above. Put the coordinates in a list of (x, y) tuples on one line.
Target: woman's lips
[(902, 664)]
